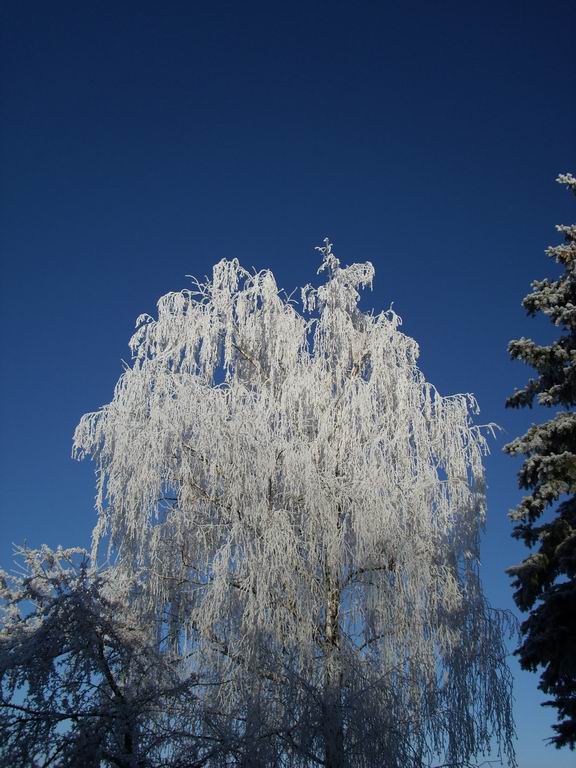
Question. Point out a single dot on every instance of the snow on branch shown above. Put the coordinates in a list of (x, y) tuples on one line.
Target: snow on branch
[(328, 505)]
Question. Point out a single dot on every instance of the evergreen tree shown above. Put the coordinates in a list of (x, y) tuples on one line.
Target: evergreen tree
[(545, 582)]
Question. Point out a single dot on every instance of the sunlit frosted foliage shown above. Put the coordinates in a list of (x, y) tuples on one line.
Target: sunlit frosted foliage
[(307, 508)]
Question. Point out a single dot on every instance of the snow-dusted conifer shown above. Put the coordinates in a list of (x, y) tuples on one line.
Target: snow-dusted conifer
[(307, 509), (545, 581)]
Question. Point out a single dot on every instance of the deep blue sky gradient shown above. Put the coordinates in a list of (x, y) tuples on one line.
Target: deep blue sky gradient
[(141, 142)]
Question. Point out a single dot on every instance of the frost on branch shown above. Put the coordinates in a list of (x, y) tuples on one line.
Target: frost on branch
[(306, 508), (82, 682), (545, 582)]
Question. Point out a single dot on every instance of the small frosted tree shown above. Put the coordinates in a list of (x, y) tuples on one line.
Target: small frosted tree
[(83, 683), (307, 510)]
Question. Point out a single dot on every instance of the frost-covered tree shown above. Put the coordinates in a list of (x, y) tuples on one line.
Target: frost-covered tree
[(306, 509), (545, 581), (82, 681)]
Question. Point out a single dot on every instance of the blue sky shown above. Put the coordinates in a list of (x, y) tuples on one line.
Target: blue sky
[(141, 142)]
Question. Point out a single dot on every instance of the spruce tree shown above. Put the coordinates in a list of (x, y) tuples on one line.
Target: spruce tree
[(545, 582)]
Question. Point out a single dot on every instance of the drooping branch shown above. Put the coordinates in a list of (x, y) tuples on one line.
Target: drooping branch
[(326, 500)]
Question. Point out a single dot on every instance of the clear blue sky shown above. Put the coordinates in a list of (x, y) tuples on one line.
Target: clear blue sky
[(144, 141)]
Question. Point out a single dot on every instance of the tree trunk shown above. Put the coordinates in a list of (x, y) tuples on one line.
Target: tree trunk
[(333, 731)]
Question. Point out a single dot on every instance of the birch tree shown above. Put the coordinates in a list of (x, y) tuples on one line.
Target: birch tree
[(307, 511)]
